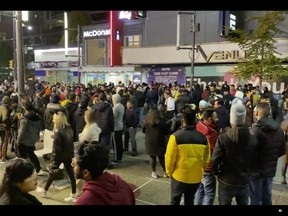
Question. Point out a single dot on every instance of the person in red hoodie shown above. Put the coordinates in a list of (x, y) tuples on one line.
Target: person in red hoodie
[(100, 187), (205, 194)]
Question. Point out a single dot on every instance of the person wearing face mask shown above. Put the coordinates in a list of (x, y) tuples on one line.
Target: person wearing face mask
[(205, 194)]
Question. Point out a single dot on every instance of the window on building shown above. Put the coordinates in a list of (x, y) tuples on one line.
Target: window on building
[(132, 41)]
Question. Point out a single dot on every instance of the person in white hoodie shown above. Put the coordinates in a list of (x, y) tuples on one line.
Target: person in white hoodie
[(91, 131), (118, 112)]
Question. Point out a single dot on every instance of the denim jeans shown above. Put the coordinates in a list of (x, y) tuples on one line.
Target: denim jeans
[(205, 194), (226, 192), (260, 190)]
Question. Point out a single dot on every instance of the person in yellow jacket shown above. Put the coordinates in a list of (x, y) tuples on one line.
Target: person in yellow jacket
[(186, 157)]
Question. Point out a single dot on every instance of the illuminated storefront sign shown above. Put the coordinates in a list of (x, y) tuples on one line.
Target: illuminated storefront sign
[(117, 35), (132, 14), (125, 15), (96, 33)]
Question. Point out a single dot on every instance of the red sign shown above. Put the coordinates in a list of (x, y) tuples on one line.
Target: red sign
[(116, 26)]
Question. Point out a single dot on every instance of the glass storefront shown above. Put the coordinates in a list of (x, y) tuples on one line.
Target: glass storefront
[(96, 78), (54, 76)]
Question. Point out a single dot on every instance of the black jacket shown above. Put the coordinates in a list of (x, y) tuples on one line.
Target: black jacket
[(19, 198), (63, 146), (271, 146), (233, 155), (104, 116), (29, 124), (49, 112)]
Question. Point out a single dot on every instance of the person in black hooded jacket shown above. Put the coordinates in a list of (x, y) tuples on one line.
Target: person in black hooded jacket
[(233, 158), (78, 121), (29, 123), (104, 118), (272, 146)]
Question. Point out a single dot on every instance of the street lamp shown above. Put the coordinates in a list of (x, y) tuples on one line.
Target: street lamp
[(192, 49), (66, 41)]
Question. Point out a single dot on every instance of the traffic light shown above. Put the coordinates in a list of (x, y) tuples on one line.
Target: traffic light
[(11, 65), (2, 36)]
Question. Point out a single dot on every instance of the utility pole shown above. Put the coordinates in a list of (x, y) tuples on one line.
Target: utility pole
[(79, 57), (19, 54), (66, 43), (192, 49), (14, 52)]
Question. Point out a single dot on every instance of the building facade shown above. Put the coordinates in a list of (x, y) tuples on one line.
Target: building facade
[(130, 46)]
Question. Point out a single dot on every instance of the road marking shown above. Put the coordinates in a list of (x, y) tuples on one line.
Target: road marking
[(142, 185)]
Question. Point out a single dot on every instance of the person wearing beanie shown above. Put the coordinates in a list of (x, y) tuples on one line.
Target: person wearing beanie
[(237, 113), (239, 94), (233, 158)]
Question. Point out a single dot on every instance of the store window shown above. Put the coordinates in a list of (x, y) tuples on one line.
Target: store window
[(96, 51), (132, 41)]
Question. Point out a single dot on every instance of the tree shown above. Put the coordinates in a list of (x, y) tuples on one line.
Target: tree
[(75, 18), (260, 50)]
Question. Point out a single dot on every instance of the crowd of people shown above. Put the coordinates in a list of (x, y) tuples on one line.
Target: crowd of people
[(224, 135)]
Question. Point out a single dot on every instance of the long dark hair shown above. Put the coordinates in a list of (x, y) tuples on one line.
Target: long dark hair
[(153, 117), (16, 171)]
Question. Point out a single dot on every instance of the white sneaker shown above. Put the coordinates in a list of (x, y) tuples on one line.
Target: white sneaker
[(165, 175), (40, 173), (72, 198), (154, 175), (41, 191)]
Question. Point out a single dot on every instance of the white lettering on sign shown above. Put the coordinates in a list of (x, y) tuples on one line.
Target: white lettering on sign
[(275, 87), (222, 55), (50, 64), (125, 15), (96, 33)]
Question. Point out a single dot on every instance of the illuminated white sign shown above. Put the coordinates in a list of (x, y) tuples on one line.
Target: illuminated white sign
[(125, 15), (232, 22), (117, 35), (96, 33)]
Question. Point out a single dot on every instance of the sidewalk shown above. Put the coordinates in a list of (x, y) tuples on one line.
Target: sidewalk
[(136, 171)]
